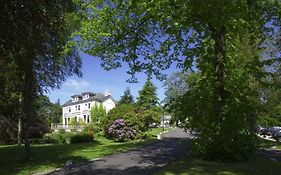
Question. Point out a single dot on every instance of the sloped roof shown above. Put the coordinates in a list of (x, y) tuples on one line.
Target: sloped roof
[(98, 97)]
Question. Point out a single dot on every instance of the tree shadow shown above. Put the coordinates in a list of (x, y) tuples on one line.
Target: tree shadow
[(146, 159), (49, 156)]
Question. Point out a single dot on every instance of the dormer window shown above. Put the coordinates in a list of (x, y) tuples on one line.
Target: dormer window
[(86, 96), (76, 98)]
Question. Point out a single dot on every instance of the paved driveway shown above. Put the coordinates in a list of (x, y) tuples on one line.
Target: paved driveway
[(143, 160)]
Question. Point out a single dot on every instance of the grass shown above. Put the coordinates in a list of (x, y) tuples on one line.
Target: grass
[(50, 156), (262, 143), (195, 166), (155, 131)]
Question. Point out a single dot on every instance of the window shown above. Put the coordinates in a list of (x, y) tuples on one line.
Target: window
[(89, 105), (88, 119), (69, 109), (86, 104), (65, 121), (84, 118), (75, 119), (78, 107)]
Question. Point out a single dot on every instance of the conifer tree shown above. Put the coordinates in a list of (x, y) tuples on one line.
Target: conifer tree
[(127, 98), (147, 96)]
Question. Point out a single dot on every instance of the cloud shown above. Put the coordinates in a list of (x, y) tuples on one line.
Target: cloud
[(76, 84)]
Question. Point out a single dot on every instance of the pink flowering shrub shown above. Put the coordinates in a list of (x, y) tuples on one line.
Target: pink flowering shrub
[(120, 131)]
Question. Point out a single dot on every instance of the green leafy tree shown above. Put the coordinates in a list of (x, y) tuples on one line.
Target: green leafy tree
[(176, 86), (147, 109), (32, 40), (127, 98), (147, 96), (122, 111), (50, 112), (223, 39), (98, 115)]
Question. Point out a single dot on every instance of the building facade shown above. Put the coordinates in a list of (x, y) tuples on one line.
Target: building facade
[(79, 107)]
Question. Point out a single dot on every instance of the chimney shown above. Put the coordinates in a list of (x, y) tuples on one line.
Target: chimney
[(107, 92)]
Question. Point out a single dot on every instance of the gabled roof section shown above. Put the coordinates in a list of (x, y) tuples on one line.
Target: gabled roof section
[(98, 97), (90, 93), (77, 95), (109, 97)]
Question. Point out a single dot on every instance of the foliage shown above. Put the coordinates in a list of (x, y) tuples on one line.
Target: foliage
[(147, 96), (8, 130), (147, 117), (98, 115), (32, 40), (267, 121), (81, 138), (225, 123), (89, 129), (137, 116), (127, 98), (62, 136), (143, 135), (176, 86), (125, 111), (59, 137), (48, 157), (270, 114), (194, 165), (50, 112), (120, 131), (73, 121), (225, 41)]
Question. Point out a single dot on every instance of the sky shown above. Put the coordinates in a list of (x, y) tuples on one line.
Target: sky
[(96, 79)]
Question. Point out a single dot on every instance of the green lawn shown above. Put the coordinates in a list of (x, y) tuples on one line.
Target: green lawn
[(50, 156), (156, 131), (194, 166), (267, 144)]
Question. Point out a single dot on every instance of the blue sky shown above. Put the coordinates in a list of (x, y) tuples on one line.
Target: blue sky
[(95, 79)]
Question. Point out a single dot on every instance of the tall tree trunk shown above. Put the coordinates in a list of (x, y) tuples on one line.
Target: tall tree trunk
[(19, 131), (28, 96), (219, 64)]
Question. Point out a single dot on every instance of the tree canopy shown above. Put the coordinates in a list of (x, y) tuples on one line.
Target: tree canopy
[(127, 98), (32, 40), (227, 41), (147, 98)]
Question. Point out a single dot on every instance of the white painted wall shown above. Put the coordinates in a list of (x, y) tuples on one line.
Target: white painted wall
[(109, 104), (84, 110)]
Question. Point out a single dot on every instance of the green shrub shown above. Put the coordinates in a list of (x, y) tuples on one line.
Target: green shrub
[(81, 138), (143, 135), (58, 137), (37, 141), (120, 131)]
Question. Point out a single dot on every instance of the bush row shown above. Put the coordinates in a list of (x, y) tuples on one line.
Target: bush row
[(61, 137)]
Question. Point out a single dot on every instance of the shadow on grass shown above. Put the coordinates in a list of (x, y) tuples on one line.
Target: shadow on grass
[(144, 160), (192, 165), (46, 157), (258, 165)]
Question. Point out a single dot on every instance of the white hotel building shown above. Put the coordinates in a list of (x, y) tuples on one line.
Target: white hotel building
[(79, 107)]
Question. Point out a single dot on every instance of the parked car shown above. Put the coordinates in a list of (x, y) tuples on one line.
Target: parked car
[(258, 129), (153, 125), (273, 130), (277, 136), (264, 131)]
